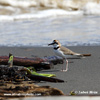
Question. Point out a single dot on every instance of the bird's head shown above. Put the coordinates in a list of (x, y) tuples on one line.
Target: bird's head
[(55, 43)]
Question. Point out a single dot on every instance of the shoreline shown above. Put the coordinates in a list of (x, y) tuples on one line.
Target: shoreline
[(83, 74)]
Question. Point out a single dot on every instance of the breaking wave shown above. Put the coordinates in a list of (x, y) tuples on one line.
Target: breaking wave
[(11, 10)]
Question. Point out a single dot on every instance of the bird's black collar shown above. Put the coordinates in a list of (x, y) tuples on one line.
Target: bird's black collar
[(56, 48)]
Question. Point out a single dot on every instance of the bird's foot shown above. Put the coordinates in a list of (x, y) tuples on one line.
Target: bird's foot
[(64, 70)]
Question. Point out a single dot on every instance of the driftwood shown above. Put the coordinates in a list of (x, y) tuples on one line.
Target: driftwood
[(43, 78), (16, 74), (10, 90), (39, 77), (54, 59), (86, 54), (38, 63)]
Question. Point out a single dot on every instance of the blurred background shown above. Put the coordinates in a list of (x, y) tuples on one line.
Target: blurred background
[(38, 22)]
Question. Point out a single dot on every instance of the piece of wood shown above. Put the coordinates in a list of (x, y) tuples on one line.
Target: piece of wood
[(19, 75), (43, 78), (39, 77), (24, 61), (12, 90), (86, 54), (36, 62), (54, 59)]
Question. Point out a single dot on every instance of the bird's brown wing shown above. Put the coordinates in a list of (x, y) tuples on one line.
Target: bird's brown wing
[(67, 51)]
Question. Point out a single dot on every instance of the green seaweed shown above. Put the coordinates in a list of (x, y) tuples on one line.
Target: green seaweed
[(32, 71)]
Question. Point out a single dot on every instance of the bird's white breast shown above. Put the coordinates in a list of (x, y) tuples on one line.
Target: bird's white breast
[(59, 53)]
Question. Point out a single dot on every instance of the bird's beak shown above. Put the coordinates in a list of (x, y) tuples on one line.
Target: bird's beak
[(50, 44)]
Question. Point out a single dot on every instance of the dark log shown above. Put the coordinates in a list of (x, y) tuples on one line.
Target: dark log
[(54, 59), (18, 75), (36, 62), (86, 54), (43, 78), (24, 61), (40, 77)]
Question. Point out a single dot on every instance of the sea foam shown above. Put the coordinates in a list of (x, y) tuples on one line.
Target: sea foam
[(11, 10), (91, 9)]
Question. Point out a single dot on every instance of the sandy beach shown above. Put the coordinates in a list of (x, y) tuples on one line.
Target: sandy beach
[(82, 76), (27, 27)]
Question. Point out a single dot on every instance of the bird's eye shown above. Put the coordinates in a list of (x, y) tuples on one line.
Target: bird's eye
[(54, 40)]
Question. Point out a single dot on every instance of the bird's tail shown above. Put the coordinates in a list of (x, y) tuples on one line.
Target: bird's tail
[(78, 56), (82, 55)]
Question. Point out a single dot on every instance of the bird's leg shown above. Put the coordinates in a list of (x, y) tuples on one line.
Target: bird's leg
[(66, 66), (62, 68)]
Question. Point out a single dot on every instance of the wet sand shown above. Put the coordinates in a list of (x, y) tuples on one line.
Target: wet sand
[(83, 75)]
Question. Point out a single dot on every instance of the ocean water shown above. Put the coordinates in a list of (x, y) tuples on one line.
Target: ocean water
[(39, 22)]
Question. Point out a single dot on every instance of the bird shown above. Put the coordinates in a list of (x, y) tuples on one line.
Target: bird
[(64, 52)]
